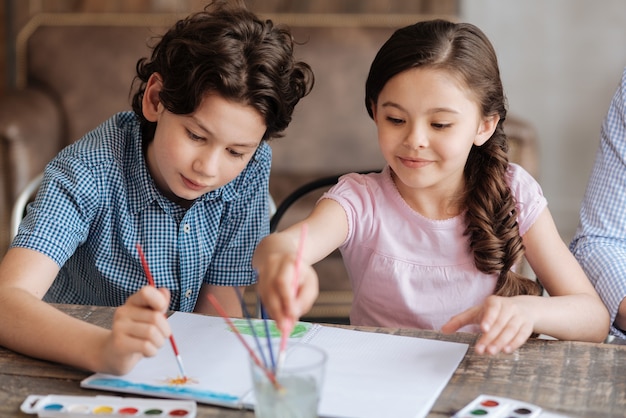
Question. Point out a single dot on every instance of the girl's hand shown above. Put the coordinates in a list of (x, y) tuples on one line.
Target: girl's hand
[(139, 329), (275, 261), (505, 323), (276, 288)]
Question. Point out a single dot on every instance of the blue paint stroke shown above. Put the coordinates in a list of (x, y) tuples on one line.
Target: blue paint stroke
[(199, 395)]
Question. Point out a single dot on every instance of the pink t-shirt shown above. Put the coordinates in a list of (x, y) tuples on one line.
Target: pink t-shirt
[(410, 271)]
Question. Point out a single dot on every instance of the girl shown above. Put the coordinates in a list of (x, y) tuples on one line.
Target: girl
[(433, 240)]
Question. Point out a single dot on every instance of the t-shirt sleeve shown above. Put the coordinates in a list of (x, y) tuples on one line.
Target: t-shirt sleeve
[(58, 221), (351, 192), (528, 194)]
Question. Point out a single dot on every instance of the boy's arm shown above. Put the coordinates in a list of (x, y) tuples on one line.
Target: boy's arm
[(33, 327)]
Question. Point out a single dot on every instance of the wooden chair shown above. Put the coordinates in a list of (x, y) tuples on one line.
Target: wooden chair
[(19, 207)]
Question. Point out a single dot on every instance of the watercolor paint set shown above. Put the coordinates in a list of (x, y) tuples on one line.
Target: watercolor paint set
[(59, 406), (498, 407)]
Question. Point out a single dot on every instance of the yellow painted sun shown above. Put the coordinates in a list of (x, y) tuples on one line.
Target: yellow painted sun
[(180, 380)]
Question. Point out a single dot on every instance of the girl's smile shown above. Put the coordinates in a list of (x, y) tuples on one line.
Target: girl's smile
[(414, 162)]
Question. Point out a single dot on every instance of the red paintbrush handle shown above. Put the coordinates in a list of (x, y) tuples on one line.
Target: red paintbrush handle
[(146, 270)]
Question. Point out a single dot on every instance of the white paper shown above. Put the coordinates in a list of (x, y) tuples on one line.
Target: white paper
[(367, 375)]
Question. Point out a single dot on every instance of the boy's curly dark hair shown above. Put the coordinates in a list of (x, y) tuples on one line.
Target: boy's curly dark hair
[(490, 208), (228, 50)]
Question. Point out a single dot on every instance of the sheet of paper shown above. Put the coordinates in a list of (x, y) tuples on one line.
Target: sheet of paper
[(375, 375), (368, 374)]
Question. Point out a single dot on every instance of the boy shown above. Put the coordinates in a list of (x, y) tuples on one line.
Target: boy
[(185, 175)]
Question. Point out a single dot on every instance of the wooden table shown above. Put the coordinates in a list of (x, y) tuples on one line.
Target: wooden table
[(572, 378)]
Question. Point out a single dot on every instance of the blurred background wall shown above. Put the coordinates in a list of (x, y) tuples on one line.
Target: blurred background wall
[(560, 62), (14, 14)]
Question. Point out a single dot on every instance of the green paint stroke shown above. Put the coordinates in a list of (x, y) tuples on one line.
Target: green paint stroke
[(243, 327)]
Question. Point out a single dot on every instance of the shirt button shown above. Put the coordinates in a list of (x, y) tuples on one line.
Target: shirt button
[(188, 293), (186, 228)]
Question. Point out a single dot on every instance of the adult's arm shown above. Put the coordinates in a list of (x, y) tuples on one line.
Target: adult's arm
[(600, 241)]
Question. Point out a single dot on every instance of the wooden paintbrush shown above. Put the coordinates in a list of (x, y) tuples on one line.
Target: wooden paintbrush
[(146, 270), (289, 324)]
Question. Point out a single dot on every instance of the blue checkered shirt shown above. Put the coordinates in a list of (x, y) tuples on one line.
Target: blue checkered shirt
[(97, 200), (600, 241)]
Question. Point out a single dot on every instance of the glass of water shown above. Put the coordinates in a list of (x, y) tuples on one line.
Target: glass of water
[(300, 376)]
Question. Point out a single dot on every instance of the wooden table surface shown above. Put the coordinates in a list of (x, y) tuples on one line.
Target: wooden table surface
[(571, 378)]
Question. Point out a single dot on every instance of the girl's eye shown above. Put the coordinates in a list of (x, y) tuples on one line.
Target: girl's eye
[(193, 136), (441, 125), (395, 121)]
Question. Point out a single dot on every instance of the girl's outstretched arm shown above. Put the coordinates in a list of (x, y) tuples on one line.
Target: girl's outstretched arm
[(573, 311), (275, 260)]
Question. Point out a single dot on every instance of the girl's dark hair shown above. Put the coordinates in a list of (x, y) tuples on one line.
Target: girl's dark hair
[(464, 51), (228, 50)]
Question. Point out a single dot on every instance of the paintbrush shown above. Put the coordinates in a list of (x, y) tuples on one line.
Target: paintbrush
[(271, 376), (246, 314), (146, 269), (289, 324), (269, 338)]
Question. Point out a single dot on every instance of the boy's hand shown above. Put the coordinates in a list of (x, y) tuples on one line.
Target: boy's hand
[(503, 321), (276, 288), (139, 329)]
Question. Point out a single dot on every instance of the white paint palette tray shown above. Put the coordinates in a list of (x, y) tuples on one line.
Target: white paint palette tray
[(59, 406)]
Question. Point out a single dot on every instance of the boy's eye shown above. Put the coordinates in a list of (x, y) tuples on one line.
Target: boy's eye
[(235, 153)]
